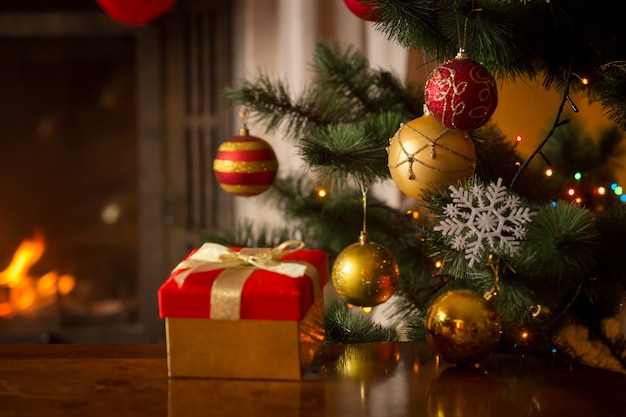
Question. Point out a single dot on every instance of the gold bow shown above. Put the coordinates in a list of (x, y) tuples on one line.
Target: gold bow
[(212, 256)]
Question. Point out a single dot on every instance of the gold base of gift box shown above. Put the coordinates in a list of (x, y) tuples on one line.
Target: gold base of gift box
[(244, 349)]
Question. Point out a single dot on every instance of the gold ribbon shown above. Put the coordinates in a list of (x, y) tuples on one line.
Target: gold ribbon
[(238, 266)]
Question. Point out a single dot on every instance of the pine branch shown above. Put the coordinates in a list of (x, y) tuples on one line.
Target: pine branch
[(351, 151), (347, 73), (344, 326), (565, 242), (270, 102), (613, 91)]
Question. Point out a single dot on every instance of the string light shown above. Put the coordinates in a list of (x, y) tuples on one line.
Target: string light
[(438, 264), (571, 192), (578, 176), (523, 339), (549, 172), (583, 80), (413, 214), (601, 190), (618, 190)]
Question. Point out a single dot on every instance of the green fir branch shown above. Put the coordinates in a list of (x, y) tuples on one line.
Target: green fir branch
[(346, 325), (565, 242), (347, 73), (414, 25), (613, 91), (351, 151), (270, 102)]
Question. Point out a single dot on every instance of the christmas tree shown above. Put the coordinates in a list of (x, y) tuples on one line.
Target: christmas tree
[(526, 255)]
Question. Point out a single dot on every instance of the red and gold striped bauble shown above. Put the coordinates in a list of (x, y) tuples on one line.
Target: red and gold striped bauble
[(245, 165)]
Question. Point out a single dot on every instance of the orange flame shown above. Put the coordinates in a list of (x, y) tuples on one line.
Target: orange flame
[(26, 291)]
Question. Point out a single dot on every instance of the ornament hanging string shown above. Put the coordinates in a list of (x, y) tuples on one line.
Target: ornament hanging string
[(364, 197), (463, 39), (494, 264)]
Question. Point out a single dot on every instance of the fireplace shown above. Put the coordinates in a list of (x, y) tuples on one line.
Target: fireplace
[(107, 136)]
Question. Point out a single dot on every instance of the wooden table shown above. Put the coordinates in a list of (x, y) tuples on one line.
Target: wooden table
[(380, 379)]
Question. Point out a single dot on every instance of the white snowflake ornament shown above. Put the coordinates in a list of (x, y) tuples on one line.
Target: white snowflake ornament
[(484, 218)]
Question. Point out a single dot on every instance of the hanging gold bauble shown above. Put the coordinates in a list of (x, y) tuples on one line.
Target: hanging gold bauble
[(365, 273), (462, 327), (423, 153)]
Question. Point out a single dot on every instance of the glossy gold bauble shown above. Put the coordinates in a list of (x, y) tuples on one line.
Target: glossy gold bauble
[(365, 273), (423, 154), (462, 327)]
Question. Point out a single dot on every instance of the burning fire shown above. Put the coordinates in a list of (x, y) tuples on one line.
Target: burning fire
[(24, 291)]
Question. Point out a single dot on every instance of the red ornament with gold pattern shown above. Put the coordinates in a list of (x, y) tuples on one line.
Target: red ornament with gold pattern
[(245, 165), (461, 94)]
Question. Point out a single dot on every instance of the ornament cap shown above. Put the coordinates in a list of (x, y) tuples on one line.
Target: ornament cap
[(461, 54), (539, 312), (243, 130), (364, 238), (490, 295)]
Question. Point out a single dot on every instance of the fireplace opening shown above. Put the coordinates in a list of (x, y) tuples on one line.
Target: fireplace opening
[(68, 177), (107, 135)]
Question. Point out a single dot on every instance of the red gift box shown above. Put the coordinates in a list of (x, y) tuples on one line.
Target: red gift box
[(244, 314)]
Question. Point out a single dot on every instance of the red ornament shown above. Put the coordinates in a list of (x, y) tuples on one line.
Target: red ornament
[(461, 94), (245, 165), (136, 12), (366, 11)]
